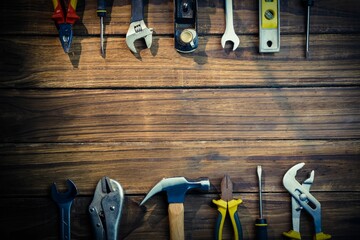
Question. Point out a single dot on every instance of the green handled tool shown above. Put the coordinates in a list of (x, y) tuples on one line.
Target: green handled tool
[(101, 12), (227, 203), (260, 223)]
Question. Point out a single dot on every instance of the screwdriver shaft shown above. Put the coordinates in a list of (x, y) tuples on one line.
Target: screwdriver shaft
[(260, 223), (102, 36), (308, 31), (259, 171), (101, 12)]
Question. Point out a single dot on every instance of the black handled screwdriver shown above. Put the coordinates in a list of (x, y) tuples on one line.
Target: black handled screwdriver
[(309, 4), (101, 12), (260, 223)]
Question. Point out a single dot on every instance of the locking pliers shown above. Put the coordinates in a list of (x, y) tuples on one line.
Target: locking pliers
[(302, 199), (105, 209)]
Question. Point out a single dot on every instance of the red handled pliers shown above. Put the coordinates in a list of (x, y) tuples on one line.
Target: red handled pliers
[(64, 21)]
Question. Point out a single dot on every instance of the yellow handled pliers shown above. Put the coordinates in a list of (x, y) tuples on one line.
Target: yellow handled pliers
[(227, 203)]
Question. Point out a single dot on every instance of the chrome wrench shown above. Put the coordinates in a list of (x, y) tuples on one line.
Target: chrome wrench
[(138, 28), (229, 34)]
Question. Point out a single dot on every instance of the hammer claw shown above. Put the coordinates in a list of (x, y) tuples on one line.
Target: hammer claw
[(157, 188)]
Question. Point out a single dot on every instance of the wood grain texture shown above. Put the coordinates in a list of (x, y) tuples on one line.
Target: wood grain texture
[(37, 218), (166, 115), (32, 62), (139, 118), (30, 169)]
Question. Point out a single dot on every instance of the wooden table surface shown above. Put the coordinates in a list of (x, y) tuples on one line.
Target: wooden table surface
[(140, 117)]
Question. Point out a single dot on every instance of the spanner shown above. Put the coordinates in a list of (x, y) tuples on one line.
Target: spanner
[(64, 201), (137, 28), (229, 34)]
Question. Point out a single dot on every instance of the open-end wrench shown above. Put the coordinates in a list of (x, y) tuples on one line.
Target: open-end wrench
[(137, 28), (229, 34), (64, 201)]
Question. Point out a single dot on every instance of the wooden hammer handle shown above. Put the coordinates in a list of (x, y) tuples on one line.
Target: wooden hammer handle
[(176, 220)]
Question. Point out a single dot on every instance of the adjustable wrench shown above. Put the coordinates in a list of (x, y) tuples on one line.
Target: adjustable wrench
[(137, 28), (229, 34), (64, 201)]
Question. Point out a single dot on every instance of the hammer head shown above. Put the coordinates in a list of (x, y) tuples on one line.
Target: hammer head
[(177, 187)]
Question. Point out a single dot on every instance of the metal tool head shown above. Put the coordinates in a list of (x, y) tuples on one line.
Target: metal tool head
[(64, 197), (230, 37), (177, 187), (138, 30), (302, 196), (105, 209), (66, 36), (105, 187), (291, 173), (226, 188)]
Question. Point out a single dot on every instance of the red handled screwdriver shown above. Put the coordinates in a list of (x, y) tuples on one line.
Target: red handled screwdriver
[(260, 223)]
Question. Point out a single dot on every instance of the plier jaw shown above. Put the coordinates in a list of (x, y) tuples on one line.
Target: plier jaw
[(302, 199), (227, 204), (105, 209), (65, 36)]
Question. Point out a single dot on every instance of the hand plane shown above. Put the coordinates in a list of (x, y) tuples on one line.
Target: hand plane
[(185, 26)]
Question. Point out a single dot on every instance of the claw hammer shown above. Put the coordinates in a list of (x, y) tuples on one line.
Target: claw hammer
[(176, 189)]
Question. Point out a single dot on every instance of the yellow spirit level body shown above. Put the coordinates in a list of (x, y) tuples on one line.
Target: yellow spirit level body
[(269, 26)]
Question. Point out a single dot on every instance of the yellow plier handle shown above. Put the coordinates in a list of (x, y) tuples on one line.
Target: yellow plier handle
[(71, 16), (223, 206), (294, 235)]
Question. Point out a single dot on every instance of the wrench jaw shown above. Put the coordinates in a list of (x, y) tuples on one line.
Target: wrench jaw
[(64, 197), (138, 30), (233, 38)]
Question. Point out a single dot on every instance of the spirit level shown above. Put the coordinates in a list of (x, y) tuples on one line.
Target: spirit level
[(269, 26)]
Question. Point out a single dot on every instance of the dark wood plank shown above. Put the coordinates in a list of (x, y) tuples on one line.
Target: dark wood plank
[(31, 62), (31, 169), (37, 218), (35, 17), (170, 115)]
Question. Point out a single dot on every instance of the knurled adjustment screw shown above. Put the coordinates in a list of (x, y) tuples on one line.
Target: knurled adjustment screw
[(186, 36)]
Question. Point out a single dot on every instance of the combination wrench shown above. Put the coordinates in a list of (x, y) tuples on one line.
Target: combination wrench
[(229, 34), (64, 201)]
